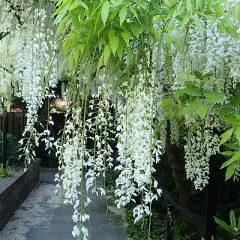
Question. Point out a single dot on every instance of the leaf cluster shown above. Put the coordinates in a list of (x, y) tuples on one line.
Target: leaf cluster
[(108, 31), (233, 228)]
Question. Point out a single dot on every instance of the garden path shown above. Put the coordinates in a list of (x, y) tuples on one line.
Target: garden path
[(42, 217)]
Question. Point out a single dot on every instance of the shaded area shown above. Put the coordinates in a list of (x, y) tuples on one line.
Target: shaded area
[(42, 217)]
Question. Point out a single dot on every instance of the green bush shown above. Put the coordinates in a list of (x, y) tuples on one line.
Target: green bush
[(139, 231), (12, 148), (4, 172)]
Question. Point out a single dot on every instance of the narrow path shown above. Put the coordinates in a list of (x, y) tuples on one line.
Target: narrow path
[(42, 217)]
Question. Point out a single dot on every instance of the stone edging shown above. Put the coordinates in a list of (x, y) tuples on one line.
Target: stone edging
[(15, 189)]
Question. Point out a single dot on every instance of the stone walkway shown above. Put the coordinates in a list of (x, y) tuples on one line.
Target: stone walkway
[(42, 217)]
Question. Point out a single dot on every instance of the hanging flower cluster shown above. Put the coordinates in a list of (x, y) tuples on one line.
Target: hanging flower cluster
[(138, 150), (215, 58), (86, 152), (36, 79), (28, 64), (201, 144)]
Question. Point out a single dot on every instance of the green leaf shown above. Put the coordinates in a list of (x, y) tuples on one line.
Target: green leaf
[(111, 33), (71, 61), (191, 108), (221, 28), (202, 111), (198, 24), (226, 135), (136, 30), (100, 62), (141, 3), (232, 160), (233, 219), (238, 223), (232, 31), (134, 12), (122, 15), (223, 224), (186, 19), (62, 14), (225, 111), (105, 11), (232, 146), (232, 119), (167, 103), (189, 6), (75, 20), (238, 134), (192, 91), (61, 26), (126, 36), (73, 6), (120, 51), (81, 3), (59, 9), (198, 4), (235, 101), (213, 96), (106, 53), (230, 171), (114, 42), (227, 153)]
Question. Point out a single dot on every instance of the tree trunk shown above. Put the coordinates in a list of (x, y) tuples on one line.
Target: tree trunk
[(175, 157)]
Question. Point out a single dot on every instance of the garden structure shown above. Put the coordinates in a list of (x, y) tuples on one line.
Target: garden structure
[(149, 98)]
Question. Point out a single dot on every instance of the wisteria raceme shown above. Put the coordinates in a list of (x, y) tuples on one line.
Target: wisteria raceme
[(86, 153), (138, 152), (28, 63), (99, 125), (214, 55)]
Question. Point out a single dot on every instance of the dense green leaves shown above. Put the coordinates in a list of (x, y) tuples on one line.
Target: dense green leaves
[(62, 13), (234, 158), (81, 3), (233, 228), (92, 20), (223, 224)]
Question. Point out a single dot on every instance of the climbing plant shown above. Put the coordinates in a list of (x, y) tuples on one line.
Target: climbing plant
[(133, 67)]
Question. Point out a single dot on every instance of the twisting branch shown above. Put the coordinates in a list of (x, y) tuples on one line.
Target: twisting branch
[(3, 35), (5, 69)]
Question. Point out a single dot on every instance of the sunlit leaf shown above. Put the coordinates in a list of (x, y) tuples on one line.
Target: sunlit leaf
[(202, 111), (230, 171), (106, 53), (105, 11), (122, 15), (126, 36), (226, 136)]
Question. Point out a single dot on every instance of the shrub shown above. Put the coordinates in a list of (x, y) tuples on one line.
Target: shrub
[(12, 148)]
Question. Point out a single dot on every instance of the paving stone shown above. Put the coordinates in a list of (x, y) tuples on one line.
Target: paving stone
[(36, 234), (59, 234), (41, 217)]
